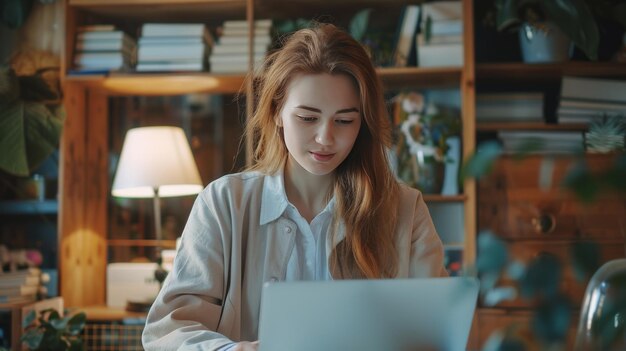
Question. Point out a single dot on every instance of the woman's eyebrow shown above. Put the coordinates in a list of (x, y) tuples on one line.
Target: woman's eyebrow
[(313, 109)]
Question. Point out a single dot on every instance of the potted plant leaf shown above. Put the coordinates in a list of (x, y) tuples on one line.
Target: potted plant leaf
[(31, 115), (51, 331)]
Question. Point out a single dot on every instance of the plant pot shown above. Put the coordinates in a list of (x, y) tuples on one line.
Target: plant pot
[(544, 42)]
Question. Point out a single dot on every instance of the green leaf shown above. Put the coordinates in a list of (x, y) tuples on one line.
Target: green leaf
[(32, 338), (507, 14), (585, 259), (542, 277), (42, 130), (12, 140), (551, 319), (492, 253), (9, 86), (76, 345), (481, 163), (35, 88), (358, 24), (29, 319), (59, 324), (77, 323), (575, 19), (580, 181), (15, 12)]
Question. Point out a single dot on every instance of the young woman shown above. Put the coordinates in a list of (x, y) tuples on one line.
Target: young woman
[(319, 203)]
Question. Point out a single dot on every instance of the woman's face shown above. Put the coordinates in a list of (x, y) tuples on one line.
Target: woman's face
[(320, 120)]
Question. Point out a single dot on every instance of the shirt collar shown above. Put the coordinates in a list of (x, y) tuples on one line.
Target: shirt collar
[(274, 200)]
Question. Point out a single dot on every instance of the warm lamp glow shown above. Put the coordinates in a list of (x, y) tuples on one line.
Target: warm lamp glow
[(159, 85), (156, 159)]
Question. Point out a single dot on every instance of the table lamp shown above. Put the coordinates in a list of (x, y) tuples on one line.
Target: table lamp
[(156, 162)]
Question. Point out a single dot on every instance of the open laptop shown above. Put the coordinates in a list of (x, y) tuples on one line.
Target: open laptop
[(368, 315)]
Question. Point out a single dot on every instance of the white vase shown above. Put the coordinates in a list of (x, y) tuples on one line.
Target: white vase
[(544, 42)]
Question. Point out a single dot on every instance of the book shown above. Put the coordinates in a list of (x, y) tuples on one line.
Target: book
[(259, 23), (169, 66), (258, 40), (101, 35), (102, 59), (448, 27), (602, 90), (161, 41), (235, 58), (236, 31), (19, 290), (440, 39), (222, 49), (99, 45), (173, 30), (442, 10), (440, 55), (406, 36), (161, 53)]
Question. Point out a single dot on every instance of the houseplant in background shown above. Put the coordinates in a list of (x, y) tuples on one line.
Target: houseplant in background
[(53, 332), (31, 113), (546, 25)]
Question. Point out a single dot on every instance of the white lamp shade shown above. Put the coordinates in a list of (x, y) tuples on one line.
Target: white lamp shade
[(156, 158)]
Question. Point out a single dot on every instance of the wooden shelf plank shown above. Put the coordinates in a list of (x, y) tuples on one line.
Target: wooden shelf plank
[(162, 84), (165, 244), (521, 72), (28, 207), (141, 11), (495, 126), (420, 77), (444, 198)]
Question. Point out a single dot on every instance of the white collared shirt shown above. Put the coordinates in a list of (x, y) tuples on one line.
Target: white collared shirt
[(241, 233)]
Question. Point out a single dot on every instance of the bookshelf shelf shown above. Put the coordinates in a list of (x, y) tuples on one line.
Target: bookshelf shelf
[(492, 126), (521, 72), (162, 10), (28, 207), (420, 77), (162, 84), (166, 244), (444, 198)]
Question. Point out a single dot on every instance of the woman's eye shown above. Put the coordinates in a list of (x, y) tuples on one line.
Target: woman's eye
[(307, 118), (344, 121)]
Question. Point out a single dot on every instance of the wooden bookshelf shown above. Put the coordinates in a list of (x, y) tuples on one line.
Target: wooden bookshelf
[(539, 126), (521, 72)]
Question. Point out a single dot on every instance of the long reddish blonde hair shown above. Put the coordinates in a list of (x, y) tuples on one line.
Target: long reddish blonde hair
[(365, 190)]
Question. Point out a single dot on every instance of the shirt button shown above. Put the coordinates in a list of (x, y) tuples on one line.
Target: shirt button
[(288, 230)]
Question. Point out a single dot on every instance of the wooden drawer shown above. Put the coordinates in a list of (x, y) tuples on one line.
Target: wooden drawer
[(490, 320), (513, 203), (526, 251)]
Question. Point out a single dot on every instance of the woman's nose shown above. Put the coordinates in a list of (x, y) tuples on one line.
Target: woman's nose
[(325, 134)]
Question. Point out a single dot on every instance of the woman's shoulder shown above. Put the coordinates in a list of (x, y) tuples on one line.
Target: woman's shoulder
[(246, 181), (408, 193)]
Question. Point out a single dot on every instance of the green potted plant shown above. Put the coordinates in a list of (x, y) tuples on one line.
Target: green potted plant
[(31, 116), (51, 331), (541, 22)]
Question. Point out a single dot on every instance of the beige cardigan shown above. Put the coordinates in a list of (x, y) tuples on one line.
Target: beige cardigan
[(232, 244)]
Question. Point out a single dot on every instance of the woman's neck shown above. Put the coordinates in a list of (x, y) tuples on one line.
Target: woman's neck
[(307, 192)]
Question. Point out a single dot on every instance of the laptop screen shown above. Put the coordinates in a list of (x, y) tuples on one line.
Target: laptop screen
[(368, 315)]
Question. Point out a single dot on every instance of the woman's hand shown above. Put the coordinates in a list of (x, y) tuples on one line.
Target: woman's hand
[(246, 346)]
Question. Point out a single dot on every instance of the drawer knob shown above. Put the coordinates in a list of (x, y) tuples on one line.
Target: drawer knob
[(544, 223)]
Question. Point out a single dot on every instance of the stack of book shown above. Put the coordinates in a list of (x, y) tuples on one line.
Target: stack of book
[(102, 48), (404, 53), (541, 142), (440, 41), (509, 107), (585, 99), (231, 52), (174, 47), (20, 286)]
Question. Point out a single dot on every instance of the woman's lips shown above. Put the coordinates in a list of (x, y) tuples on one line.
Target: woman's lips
[(322, 157)]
